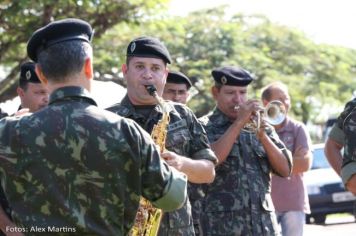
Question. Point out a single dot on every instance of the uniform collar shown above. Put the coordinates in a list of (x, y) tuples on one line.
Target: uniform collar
[(70, 93), (130, 108)]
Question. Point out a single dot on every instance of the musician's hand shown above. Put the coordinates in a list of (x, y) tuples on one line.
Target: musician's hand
[(173, 159), (262, 129), (246, 111)]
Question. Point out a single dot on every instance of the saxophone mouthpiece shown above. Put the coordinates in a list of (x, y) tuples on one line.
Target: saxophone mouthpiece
[(151, 89)]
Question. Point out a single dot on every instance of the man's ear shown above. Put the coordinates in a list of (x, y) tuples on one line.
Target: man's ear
[(88, 68), (214, 91), (124, 68), (20, 92), (40, 75)]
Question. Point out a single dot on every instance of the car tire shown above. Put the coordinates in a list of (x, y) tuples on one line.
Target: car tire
[(307, 219), (319, 219)]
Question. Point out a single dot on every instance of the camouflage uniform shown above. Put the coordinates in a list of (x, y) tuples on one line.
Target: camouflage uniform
[(75, 167), (238, 202), (347, 121), (2, 114), (185, 137)]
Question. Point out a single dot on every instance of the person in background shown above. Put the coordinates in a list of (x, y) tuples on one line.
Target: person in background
[(72, 167), (177, 87), (289, 195), (239, 202), (187, 147), (33, 94), (177, 90)]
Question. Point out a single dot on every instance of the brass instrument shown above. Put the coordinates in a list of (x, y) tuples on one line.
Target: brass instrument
[(274, 113), (148, 218)]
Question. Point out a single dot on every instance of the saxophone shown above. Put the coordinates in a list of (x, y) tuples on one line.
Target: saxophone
[(148, 218)]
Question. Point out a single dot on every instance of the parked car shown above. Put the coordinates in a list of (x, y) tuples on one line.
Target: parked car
[(326, 191)]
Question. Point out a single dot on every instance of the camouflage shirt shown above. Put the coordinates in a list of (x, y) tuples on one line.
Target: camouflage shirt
[(347, 121), (239, 202), (2, 114), (186, 137), (74, 168)]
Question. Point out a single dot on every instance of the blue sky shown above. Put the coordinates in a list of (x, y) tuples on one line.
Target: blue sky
[(328, 21)]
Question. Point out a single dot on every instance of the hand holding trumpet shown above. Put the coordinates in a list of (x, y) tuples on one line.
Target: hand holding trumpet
[(255, 118)]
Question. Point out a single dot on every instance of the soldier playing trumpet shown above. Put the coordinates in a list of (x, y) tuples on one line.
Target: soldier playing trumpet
[(238, 202)]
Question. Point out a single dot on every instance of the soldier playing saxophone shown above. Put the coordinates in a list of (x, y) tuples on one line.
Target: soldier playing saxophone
[(187, 148)]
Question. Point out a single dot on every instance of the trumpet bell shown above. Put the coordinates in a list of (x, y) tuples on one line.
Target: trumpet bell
[(275, 112)]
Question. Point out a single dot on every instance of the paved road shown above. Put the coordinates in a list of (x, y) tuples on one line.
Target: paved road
[(334, 226)]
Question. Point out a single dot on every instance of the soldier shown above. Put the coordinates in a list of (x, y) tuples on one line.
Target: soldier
[(289, 195), (33, 96), (239, 201), (187, 146), (32, 93), (347, 121), (72, 167), (177, 87)]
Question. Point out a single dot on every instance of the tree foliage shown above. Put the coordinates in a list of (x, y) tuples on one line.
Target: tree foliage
[(317, 75), (19, 19)]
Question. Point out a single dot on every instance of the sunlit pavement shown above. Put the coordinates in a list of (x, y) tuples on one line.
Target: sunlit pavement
[(334, 226)]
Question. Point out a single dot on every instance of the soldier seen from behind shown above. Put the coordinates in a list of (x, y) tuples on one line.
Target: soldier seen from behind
[(72, 167)]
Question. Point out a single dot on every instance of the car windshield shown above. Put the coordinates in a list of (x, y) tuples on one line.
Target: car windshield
[(319, 159)]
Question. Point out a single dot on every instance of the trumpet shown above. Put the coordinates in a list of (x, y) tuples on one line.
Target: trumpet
[(274, 113)]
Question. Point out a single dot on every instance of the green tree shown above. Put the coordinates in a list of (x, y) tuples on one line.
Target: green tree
[(19, 18)]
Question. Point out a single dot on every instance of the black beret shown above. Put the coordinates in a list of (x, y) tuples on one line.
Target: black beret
[(229, 75), (28, 74), (56, 32), (148, 47), (178, 78)]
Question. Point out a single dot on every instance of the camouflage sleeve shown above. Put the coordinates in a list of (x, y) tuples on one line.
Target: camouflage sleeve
[(2, 114), (351, 105), (162, 185), (337, 134), (276, 140), (8, 136), (349, 159), (200, 143)]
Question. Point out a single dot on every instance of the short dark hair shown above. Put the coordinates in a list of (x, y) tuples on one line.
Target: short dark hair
[(61, 60)]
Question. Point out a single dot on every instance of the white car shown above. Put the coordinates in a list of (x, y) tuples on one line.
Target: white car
[(326, 191)]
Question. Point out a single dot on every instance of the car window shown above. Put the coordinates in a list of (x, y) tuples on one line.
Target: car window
[(319, 159)]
